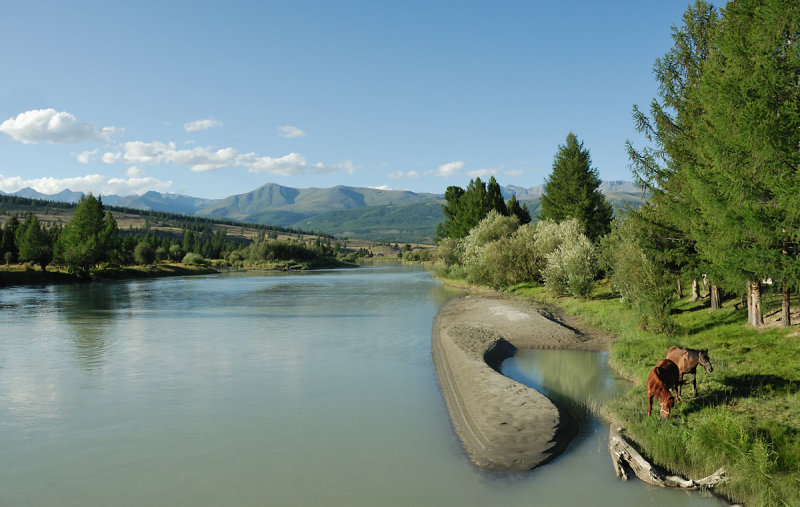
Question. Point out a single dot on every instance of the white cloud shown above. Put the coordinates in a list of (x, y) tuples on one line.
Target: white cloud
[(198, 159), (194, 126), (482, 173), (382, 187), (87, 156), (95, 183), (287, 165), (346, 167), (290, 132), (400, 174), (450, 168), (134, 172), (51, 126), (516, 172)]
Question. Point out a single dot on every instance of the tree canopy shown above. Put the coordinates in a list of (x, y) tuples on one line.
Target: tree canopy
[(572, 190)]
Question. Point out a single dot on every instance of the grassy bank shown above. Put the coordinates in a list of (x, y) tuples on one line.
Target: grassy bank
[(746, 416), (20, 275)]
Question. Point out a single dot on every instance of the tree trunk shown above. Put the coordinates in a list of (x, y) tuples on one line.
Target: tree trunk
[(716, 300), (680, 288), (624, 455), (695, 290), (786, 314), (754, 316)]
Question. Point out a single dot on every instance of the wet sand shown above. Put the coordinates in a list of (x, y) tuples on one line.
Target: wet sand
[(503, 424)]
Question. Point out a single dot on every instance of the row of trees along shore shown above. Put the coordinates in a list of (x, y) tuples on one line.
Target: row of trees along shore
[(720, 160), (92, 238)]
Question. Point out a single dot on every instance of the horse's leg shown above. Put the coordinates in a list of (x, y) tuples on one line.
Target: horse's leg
[(649, 404)]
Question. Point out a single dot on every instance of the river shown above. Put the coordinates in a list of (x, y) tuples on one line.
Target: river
[(263, 389)]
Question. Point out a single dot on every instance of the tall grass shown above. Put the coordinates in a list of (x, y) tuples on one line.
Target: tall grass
[(746, 416)]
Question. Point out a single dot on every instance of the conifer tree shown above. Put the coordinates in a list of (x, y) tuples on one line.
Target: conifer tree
[(572, 190), (34, 243), (664, 223), (519, 211), (749, 143), (464, 209)]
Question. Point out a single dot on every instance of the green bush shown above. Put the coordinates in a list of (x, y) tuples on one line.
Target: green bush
[(572, 267), (643, 284), (194, 259)]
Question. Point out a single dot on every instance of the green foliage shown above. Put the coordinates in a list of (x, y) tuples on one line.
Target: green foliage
[(34, 243), (572, 267), (643, 284), (481, 268), (572, 190), (464, 209), (144, 253), (194, 259), (519, 211), (90, 237)]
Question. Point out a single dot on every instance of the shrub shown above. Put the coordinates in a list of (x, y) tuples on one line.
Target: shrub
[(144, 253), (643, 284), (194, 259), (572, 267), (176, 253), (448, 251), (492, 228)]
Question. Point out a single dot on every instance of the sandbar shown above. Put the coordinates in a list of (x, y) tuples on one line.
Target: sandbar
[(503, 425)]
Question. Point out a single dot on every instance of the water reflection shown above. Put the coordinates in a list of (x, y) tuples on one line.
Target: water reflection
[(89, 310), (579, 380)]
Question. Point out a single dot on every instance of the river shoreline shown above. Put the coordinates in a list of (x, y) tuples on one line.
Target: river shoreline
[(503, 425)]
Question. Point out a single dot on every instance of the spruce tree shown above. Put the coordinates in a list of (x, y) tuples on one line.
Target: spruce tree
[(572, 190), (749, 91), (664, 223), (464, 209), (34, 243)]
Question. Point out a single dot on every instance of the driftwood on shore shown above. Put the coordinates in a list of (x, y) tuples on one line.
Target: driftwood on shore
[(624, 455)]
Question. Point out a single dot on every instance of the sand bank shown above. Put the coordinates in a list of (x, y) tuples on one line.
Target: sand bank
[(503, 424)]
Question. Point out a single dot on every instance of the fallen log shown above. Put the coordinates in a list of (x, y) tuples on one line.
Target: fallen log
[(623, 454)]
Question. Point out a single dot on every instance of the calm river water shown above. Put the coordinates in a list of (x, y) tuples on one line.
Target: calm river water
[(264, 389)]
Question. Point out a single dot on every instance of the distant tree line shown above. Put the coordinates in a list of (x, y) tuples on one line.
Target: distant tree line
[(92, 238)]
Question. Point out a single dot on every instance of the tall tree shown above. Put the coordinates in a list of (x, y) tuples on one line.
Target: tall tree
[(35, 244), (8, 241), (519, 211), (464, 209), (88, 238), (572, 190), (748, 175), (671, 131)]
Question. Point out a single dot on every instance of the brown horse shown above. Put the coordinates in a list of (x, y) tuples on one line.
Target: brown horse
[(660, 380), (687, 361)]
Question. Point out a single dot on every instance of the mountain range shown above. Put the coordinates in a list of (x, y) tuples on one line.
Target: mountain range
[(364, 213)]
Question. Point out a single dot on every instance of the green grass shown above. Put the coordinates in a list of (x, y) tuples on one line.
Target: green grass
[(746, 416)]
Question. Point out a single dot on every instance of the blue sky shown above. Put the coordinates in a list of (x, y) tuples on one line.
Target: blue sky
[(212, 99)]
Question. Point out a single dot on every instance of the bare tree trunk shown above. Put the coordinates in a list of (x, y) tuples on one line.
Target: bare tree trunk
[(716, 300), (695, 290), (624, 456), (680, 288), (754, 316), (786, 314)]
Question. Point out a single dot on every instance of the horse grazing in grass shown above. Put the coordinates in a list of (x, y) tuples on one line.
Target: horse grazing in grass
[(687, 361), (662, 378)]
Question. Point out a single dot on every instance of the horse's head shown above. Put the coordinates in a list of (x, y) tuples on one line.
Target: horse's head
[(705, 361), (666, 406)]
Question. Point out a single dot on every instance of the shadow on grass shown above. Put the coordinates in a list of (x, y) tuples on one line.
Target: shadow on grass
[(742, 386)]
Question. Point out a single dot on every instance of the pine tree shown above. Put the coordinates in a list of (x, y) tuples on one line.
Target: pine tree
[(88, 238), (521, 212), (572, 190), (464, 209), (664, 223), (34, 243), (750, 94)]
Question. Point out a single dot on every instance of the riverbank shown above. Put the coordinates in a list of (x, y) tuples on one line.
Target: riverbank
[(20, 275), (503, 425), (746, 415)]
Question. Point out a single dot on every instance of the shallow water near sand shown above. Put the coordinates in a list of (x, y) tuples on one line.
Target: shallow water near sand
[(254, 389)]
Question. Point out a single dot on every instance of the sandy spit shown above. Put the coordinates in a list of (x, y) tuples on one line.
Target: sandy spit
[(503, 424)]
